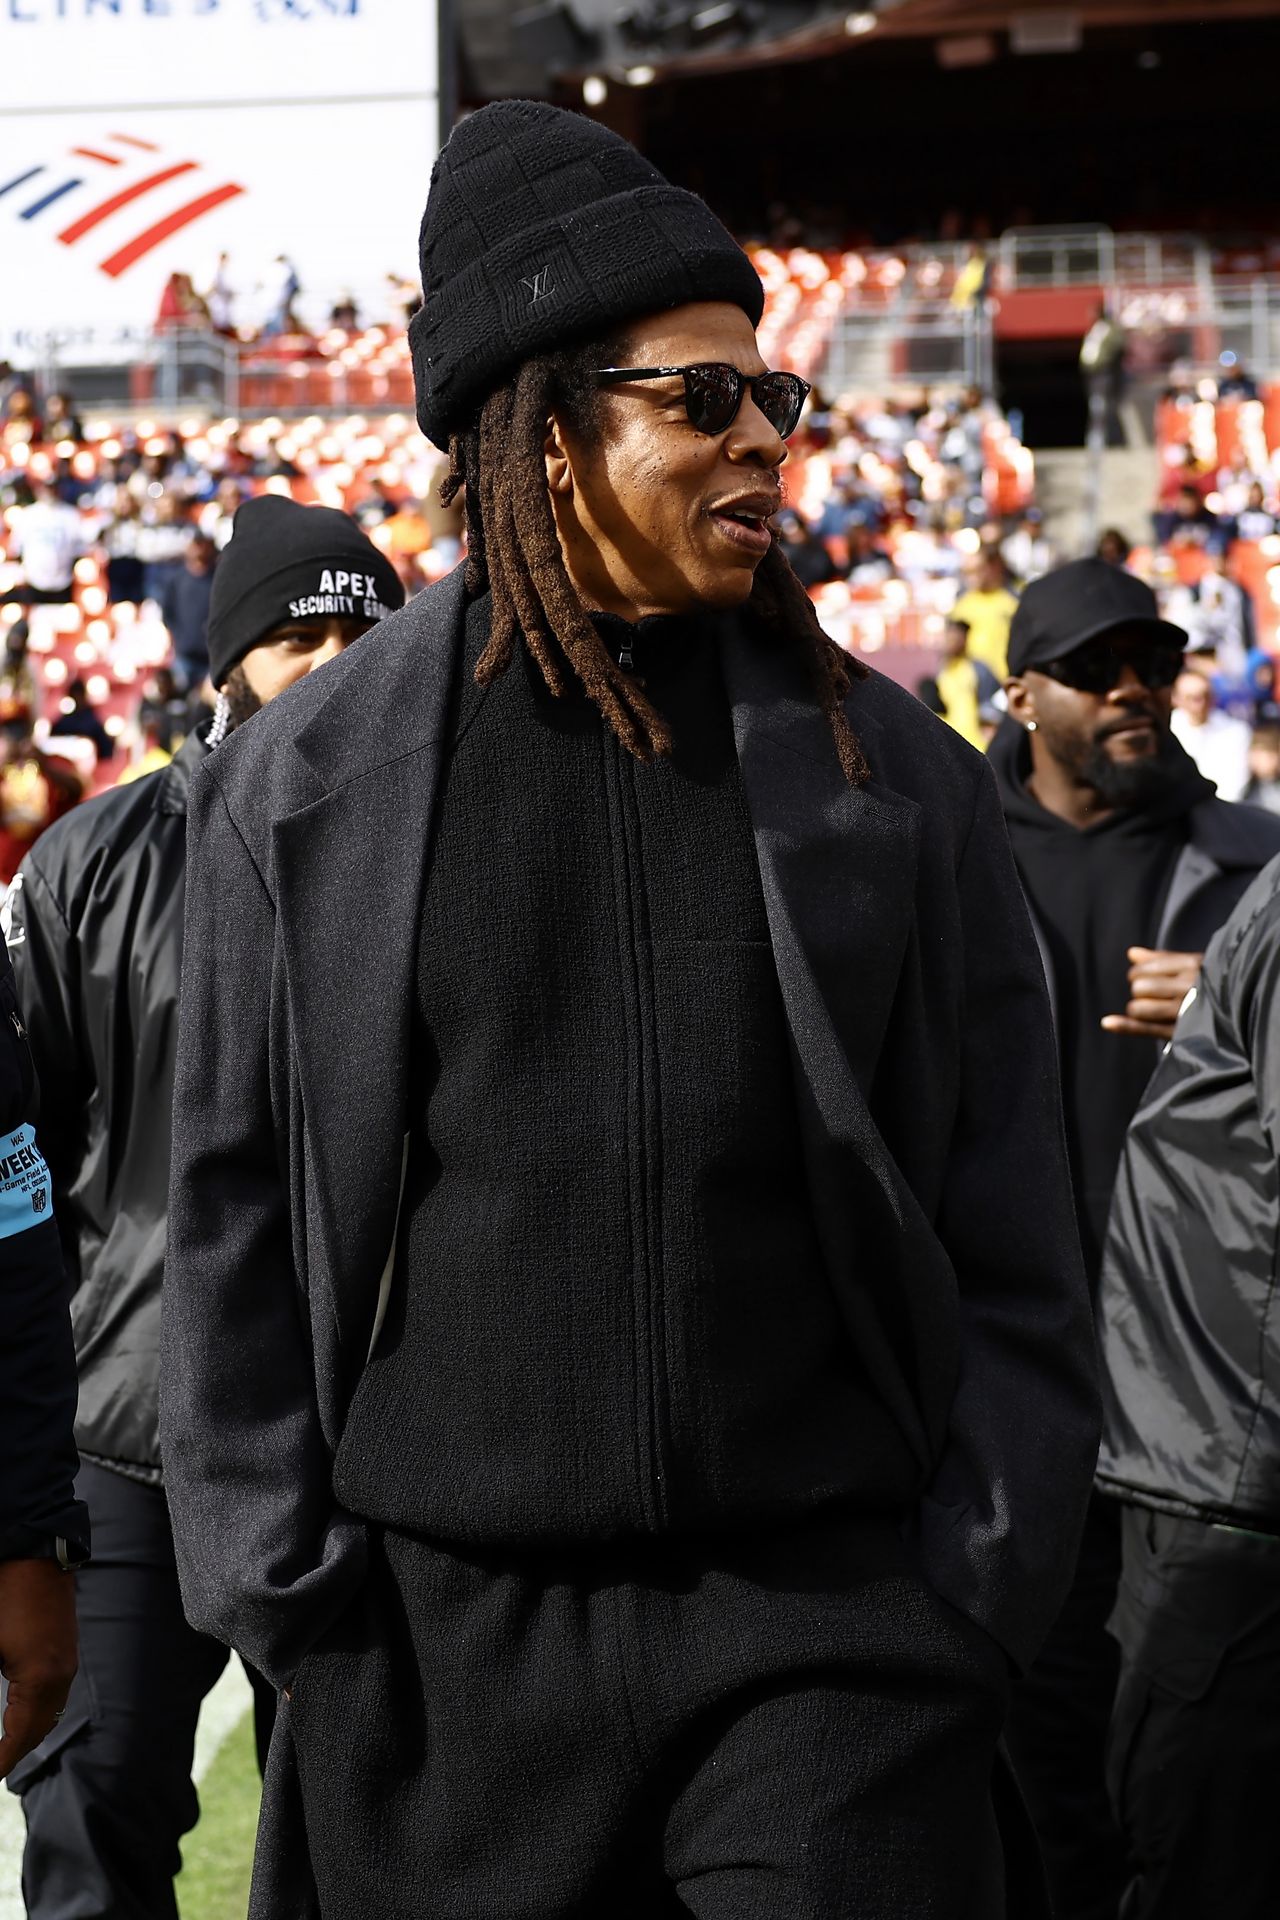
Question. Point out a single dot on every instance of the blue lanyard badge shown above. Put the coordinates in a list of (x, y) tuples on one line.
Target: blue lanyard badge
[(25, 1191)]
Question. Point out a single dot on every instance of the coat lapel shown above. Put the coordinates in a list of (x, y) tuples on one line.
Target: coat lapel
[(349, 871), (837, 864), (838, 871)]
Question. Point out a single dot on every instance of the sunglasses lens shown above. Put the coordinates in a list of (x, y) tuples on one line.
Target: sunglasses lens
[(1098, 669), (1162, 668), (780, 398), (712, 395)]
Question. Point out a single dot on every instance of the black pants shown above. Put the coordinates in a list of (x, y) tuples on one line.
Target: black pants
[(795, 1730), (1057, 1734), (1194, 1764), (108, 1796)]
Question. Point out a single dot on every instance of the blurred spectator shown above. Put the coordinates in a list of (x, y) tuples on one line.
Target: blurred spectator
[(1218, 744), (118, 544), (966, 688), (61, 421), (1255, 521), (166, 716), (184, 608), (986, 609), (810, 561), (161, 542), (973, 282), (220, 299), (1233, 382), (1188, 523), (282, 288), (35, 789), (1185, 471), (851, 504), (1263, 788), (1027, 553), (870, 564), (216, 516), (48, 538), (1220, 618), (344, 313), (1113, 547), (1102, 363), (19, 688), (82, 722), (22, 424), (180, 306)]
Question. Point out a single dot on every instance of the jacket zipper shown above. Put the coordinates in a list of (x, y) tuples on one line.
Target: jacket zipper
[(643, 1156)]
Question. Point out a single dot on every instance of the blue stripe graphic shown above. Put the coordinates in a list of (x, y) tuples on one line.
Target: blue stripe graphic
[(29, 213), (21, 180)]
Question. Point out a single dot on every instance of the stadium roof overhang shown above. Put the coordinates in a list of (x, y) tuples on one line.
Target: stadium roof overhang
[(665, 41)]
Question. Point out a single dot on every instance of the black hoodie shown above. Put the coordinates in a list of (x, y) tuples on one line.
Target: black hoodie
[(1096, 891)]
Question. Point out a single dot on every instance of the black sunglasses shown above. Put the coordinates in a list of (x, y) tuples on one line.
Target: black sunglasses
[(713, 393), (1097, 668)]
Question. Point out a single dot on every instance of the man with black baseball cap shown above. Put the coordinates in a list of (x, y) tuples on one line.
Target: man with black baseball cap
[(1129, 863), (96, 935)]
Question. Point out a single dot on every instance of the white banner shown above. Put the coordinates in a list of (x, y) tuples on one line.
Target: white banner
[(146, 137)]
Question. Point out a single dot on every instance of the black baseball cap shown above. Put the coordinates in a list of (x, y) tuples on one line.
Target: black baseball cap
[(1073, 604)]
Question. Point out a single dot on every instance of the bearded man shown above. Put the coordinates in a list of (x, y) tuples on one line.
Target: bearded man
[(628, 1373), (1130, 864)]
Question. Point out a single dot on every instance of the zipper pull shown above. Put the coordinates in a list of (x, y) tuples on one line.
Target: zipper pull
[(625, 659), (18, 1027)]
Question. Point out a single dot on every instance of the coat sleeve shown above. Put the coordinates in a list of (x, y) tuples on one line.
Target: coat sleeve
[(1003, 1513), (37, 1360), (266, 1558)]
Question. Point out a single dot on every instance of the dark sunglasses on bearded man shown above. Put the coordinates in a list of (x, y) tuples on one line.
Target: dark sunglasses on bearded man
[(1097, 667), (713, 393)]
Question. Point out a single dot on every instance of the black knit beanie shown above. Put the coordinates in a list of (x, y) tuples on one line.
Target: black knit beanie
[(289, 562), (543, 228)]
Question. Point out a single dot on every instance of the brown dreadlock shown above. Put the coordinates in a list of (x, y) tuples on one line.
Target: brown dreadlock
[(514, 549)]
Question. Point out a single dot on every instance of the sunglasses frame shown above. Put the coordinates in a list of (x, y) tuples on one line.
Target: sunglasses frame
[(744, 380), (1136, 657)]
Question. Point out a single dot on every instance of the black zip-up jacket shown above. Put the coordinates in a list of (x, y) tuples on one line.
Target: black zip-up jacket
[(98, 917), (1190, 1317), (37, 1363)]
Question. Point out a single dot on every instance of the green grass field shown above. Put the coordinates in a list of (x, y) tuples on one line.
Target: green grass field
[(217, 1858)]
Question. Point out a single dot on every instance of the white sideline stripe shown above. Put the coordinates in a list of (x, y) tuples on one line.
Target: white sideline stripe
[(220, 1715)]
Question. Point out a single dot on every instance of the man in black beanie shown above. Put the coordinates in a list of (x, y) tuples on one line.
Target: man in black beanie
[(96, 936), (627, 1373)]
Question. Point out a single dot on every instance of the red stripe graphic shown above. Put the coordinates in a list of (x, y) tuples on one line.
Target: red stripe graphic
[(125, 256), (106, 208), (91, 153), (148, 146)]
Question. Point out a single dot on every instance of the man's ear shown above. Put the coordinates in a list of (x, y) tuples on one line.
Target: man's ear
[(1022, 702), (555, 453)]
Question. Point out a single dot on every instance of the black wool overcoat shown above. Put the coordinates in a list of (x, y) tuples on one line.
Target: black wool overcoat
[(926, 1079)]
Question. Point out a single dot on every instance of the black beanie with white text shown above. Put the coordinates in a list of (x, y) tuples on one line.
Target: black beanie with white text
[(288, 562)]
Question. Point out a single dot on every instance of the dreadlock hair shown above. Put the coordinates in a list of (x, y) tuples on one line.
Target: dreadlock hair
[(513, 549)]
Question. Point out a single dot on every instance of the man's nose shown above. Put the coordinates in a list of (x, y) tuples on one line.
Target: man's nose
[(754, 438), (1129, 684)]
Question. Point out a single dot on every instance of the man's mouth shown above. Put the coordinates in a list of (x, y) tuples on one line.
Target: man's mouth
[(1137, 723), (746, 521)]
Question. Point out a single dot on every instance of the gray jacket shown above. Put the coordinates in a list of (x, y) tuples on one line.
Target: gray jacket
[(925, 1074), (1189, 1325)]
